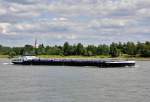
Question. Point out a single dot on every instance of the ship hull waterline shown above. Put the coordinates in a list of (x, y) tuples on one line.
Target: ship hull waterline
[(77, 63)]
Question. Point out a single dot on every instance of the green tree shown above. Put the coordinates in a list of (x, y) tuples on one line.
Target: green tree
[(79, 49), (12, 54), (92, 50), (41, 49), (139, 48), (102, 50), (66, 49), (131, 49), (28, 50), (114, 52), (18, 50), (146, 50)]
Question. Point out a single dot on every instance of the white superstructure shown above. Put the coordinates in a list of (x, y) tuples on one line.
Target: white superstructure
[(24, 58)]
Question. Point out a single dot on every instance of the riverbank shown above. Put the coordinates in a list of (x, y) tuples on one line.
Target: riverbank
[(72, 57), (96, 57), (5, 57)]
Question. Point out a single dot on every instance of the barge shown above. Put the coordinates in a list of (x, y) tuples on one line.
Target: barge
[(33, 60)]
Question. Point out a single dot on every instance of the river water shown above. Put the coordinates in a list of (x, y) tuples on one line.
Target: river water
[(74, 84)]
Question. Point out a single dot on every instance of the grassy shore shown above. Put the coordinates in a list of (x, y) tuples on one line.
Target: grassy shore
[(88, 57), (96, 57), (79, 57), (4, 56)]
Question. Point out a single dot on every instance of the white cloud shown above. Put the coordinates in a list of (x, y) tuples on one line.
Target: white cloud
[(144, 12), (25, 26), (60, 19), (4, 28), (2, 10), (75, 19), (72, 37)]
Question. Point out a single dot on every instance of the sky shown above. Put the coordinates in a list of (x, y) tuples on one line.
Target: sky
[(52, 22)]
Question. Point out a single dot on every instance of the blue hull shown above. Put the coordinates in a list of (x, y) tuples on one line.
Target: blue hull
[(64, 62)]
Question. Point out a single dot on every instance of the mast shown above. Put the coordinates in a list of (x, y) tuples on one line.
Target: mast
[(35, 43), (35, 47)]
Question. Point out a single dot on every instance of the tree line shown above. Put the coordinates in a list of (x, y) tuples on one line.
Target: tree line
[(113, 50)]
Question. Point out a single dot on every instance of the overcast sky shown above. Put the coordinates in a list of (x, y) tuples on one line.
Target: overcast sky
[(86, 21)]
